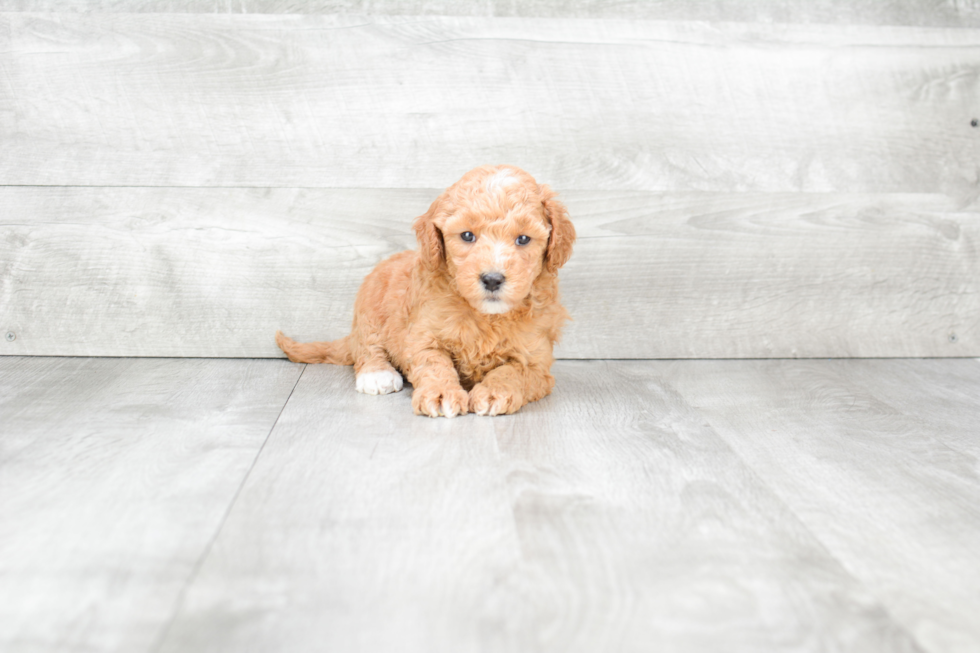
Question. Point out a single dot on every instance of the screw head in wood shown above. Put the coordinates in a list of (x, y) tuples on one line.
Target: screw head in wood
[(975, 123), (952, 337), (11, 336)]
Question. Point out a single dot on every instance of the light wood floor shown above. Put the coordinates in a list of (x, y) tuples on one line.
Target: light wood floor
[(189, 505)]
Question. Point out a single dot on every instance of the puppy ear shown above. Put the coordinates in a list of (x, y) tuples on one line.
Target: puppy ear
[(562, 231), (431, 248)]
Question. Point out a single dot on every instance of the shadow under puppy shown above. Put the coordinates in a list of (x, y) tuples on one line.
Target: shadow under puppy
[(471, 318)]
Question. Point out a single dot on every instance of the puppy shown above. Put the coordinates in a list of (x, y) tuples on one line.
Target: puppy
[(470, 318)]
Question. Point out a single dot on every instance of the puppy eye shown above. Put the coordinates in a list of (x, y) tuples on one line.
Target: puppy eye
[(468, 236), (523, 240)]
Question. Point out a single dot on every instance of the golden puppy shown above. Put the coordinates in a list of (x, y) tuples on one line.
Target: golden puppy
[(471, 317)]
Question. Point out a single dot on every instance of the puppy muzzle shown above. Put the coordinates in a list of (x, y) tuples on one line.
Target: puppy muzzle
[(492, 281)]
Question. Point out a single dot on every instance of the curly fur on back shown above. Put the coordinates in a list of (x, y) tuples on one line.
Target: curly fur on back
[(470, 318)]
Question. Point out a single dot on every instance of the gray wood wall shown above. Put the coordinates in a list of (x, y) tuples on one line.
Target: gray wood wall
[(771, 179)]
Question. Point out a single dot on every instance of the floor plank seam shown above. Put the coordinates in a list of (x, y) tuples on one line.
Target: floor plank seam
[(165, 631), (819, 542)]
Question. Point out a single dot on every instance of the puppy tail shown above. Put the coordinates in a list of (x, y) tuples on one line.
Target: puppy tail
[(336, 352)]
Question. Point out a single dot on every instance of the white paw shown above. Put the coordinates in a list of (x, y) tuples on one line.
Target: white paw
[(379, 383)]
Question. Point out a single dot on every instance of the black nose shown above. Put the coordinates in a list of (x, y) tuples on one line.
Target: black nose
[(492, 280)]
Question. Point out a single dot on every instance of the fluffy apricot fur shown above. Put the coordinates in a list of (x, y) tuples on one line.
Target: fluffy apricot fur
[(465, 339)]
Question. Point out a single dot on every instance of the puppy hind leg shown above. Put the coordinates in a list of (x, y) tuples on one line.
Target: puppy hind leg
[(375, 374), (379, 381)]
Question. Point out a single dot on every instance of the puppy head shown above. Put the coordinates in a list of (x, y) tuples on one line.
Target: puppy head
[(493, 233)]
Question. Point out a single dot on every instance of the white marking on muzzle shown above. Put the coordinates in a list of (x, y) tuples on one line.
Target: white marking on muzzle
[(494, 306), (501, 256)]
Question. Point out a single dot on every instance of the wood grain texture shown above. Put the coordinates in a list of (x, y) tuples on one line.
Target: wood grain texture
[(681, 505), (214, 272), (946, 13), (114, 476), (409, 101), (879, 460), (760, 276), (606, 517)]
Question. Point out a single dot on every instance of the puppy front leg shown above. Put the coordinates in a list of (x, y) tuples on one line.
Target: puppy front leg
[(436, 385), (508, 388)]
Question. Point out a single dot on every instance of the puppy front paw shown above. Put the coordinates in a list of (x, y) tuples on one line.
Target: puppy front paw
[(436, 402), (491, 400)]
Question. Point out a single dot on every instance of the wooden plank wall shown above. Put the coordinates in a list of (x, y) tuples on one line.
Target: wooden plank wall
[(925, 13), (794, 179)]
